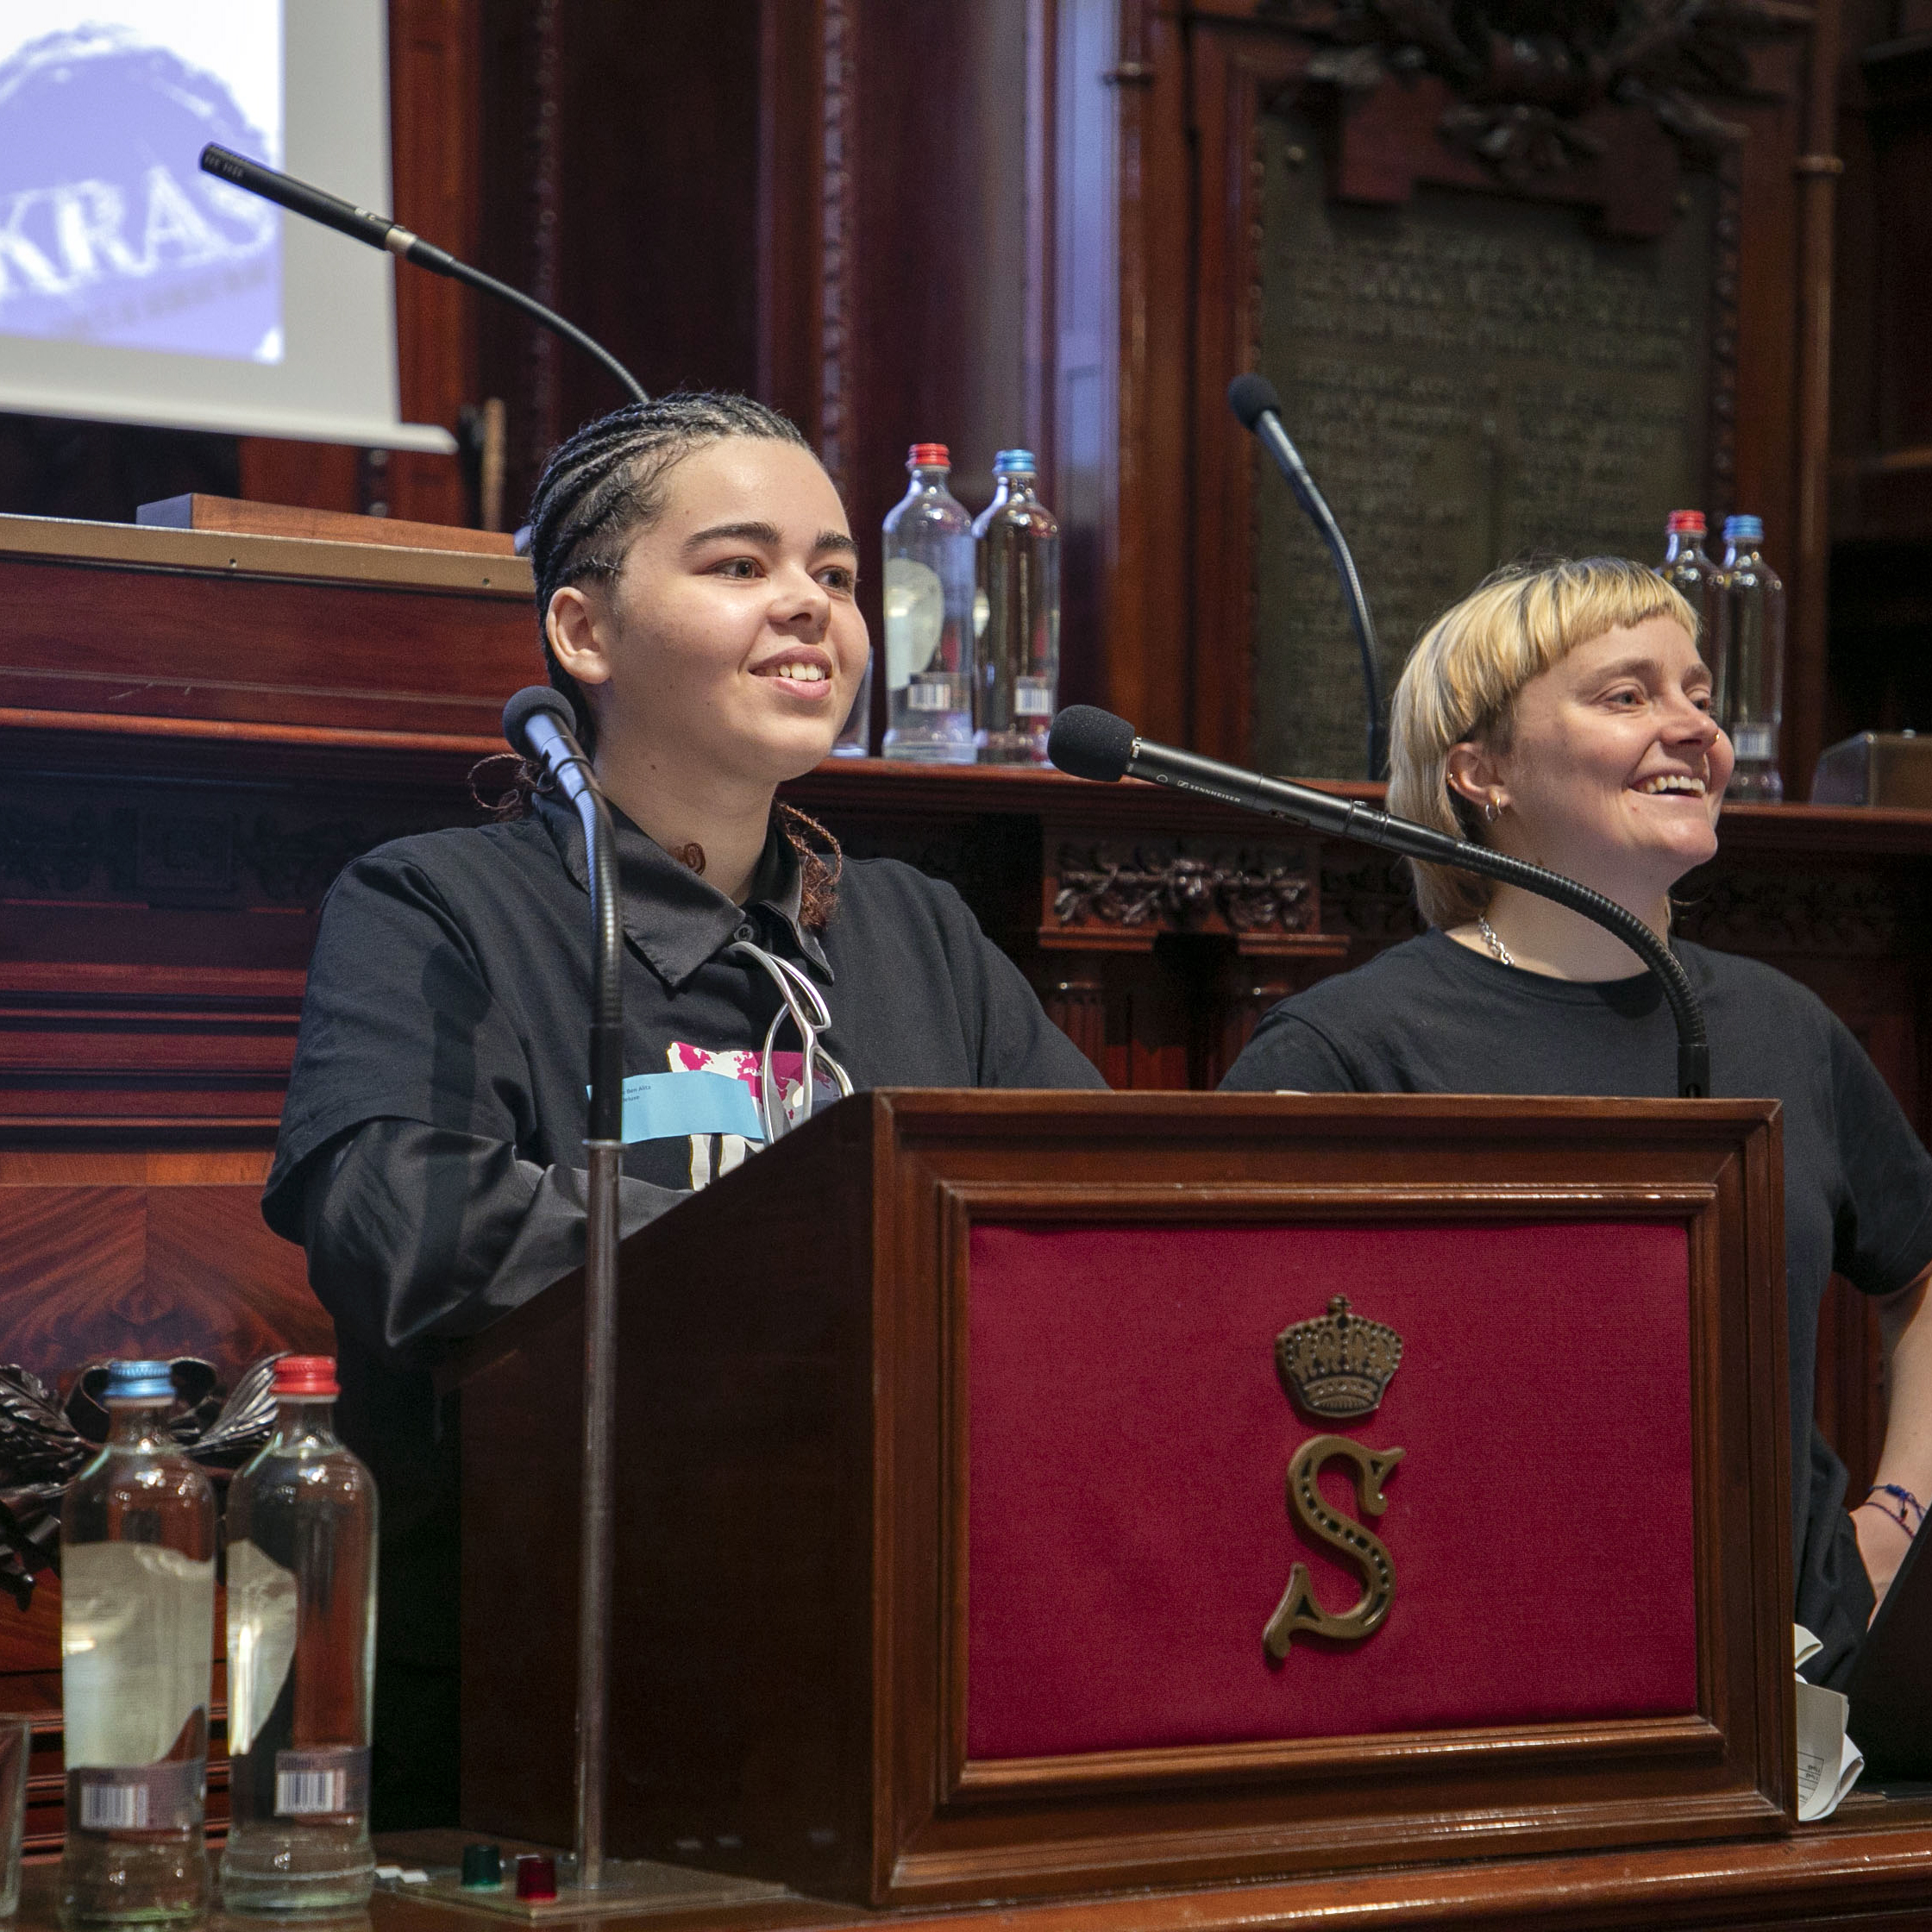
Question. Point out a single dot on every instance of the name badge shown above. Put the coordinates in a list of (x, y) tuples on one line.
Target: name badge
[(675, 1106)]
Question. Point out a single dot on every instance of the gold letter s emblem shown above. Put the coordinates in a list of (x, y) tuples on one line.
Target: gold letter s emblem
[(1298, 1613)]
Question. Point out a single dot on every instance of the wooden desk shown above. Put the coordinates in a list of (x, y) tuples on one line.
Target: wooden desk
[(1867, 1865), (199, 730)]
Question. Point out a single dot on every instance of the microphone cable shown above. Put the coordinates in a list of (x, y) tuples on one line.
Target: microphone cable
[(385, 232)]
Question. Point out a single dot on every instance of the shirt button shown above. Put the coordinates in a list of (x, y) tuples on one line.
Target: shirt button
[(746, 932)]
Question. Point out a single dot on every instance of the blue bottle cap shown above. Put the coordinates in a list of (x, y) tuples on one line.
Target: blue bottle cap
[(1013, 462), (138, 1382), (1744, 529)]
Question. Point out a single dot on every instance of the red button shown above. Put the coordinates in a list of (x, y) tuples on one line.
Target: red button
[(536, 1876)]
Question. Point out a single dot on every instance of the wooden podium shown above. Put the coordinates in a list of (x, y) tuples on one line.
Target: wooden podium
[(952, 1506)]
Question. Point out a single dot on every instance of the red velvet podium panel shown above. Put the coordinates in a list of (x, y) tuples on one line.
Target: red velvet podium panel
[(955, 1497), (1126, 1526)]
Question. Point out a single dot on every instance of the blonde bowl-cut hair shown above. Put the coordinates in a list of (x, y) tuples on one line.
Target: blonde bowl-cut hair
[(1460, 686)]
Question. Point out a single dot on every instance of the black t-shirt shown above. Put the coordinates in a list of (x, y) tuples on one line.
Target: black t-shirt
[(430, 1152), (1432, 1016)]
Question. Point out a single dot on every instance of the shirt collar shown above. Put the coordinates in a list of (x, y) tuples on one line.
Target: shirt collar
[(673, 918)]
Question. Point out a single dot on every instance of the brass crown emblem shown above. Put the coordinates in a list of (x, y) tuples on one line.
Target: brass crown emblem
[(1338, 1363)]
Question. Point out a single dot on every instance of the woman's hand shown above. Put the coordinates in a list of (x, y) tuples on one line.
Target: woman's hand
[(1905, 1462), (1882, 1543)]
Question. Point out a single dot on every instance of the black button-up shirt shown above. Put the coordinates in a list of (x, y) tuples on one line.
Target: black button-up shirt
[(451, 983), (430, 1152)]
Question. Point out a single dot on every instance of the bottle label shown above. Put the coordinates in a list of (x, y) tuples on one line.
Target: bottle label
[(1754, 741), (936, 695), (135, 1624), (1032, 698), (138, 1797), (330, 1783), (260, 1638), (915, 610)]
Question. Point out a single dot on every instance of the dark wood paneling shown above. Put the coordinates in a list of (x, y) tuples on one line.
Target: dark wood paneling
[(1881, 509), (175, 1267), (619, 183), (1199, 106), (50, 467), (180, 643)]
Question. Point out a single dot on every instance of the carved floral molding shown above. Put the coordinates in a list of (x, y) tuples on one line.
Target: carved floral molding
[(1525, 73), (1166, 888)]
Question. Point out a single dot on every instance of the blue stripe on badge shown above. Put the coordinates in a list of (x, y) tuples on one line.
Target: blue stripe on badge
[(673, 1106)]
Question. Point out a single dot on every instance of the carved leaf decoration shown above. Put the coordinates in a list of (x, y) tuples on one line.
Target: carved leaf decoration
[(245, 1420), (37, 1442), (40, 1449), (197, 1388), (1524, 72), (43, 1442)]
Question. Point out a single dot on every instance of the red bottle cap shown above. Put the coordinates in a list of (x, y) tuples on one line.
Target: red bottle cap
[(306, 1374), (1690, 522), (929, 455), (536, 1876)]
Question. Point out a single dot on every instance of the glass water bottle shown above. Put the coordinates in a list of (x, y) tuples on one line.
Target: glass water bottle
[(1750, 666), (855, 739), (137, 1635), (301, 1651), (1688, 568), (929, 617), (1018, 565)]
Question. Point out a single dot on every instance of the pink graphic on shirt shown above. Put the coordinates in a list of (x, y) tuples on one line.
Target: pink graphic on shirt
[(739, 1063)]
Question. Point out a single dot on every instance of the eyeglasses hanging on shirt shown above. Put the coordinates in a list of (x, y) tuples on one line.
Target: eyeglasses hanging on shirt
[(804, 1006)]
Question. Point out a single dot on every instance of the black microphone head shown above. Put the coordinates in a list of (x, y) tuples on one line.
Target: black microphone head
[(1087, 742), (225, 162), (532, 699), (1250, 397)]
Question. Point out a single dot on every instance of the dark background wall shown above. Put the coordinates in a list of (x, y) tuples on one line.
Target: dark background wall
[(1021, 221)]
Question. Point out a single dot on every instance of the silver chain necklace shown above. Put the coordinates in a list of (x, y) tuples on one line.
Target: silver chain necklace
[(1490, 939)]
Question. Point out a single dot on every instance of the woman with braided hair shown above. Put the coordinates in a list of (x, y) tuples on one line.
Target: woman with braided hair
[(695, 583)]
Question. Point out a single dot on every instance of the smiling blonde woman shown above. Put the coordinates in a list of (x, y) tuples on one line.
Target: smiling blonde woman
[(1563, 714)]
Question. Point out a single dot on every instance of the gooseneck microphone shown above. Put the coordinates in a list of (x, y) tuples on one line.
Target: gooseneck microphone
[(1253, 399), (540, 725), (539, 722), (1086, 741), (381, 231)]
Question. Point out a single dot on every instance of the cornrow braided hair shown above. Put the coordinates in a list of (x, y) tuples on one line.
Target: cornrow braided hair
[(600, 487), (606, 483)]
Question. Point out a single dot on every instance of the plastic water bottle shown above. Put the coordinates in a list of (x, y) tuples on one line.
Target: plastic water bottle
[(1689, 570), (929, 617), (137, 1633), (301, 1660), (1019, 581), (1750, 665)]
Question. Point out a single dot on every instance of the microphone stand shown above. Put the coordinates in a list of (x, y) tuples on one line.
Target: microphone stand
[(538, 725), (382, 231), (604, 1149), (1253, 400), (1095, 744)]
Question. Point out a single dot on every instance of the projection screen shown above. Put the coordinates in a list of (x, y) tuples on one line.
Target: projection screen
[(134, 288)]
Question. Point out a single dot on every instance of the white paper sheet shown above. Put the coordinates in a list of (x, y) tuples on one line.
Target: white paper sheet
[(1828, 1761)]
